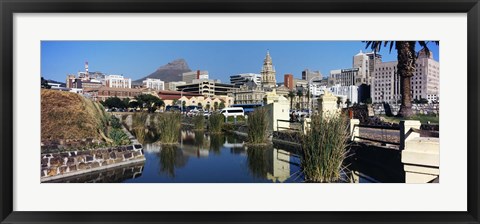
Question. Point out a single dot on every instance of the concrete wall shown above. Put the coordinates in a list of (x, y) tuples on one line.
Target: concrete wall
[(278, 110)]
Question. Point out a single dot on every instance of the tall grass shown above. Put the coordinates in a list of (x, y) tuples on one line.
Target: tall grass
[(258, 126), (169, 127), (199, 122), (215, 123), (324, 148), (138, 126)]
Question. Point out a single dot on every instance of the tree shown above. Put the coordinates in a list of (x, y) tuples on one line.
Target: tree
[(114, 102), (291, 95), (406, 56), (151, 102), (215, 106), (300, 97), (125, 102), (200, 105), (44, 84), (133, 104), (221, 106), (348, 102), (423, 101), (339, 101), (207, 107), (368, 101)]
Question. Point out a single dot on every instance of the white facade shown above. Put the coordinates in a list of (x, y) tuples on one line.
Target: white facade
[(425, 82), (241, 79), (118, 81), (346, 92), (155, 84), (317, 89)]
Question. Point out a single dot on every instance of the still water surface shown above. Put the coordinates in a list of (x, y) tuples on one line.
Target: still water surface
[(205, 158)]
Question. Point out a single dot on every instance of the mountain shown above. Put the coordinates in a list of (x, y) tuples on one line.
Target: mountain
[(169, 72)]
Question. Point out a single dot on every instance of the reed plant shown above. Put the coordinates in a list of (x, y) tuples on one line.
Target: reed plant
[(257, 124), (215, 122), (199, 122), (169, 127), (324, 148), (138, 126)]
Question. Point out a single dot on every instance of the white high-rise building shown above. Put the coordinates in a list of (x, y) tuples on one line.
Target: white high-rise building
[(346, 92), (241, 79), (118, 81), (425, 82), (155, 84)]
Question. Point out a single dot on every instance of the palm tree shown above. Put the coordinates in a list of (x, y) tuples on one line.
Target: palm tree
[(291, 95), (300, 96), (406, 56)]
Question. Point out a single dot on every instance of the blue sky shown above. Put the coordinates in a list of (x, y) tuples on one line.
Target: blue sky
[(136, 59)]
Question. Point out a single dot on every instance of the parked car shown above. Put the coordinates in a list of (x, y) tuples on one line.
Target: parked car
[(232, 111)]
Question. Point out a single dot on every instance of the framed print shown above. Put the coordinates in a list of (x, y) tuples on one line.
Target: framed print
[(232, 111)]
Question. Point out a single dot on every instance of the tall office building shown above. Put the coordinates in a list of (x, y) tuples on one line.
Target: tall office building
[(288, 81), (425, 82), (311, 75), (241, 79)]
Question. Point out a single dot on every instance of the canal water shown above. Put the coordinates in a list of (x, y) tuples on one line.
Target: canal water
[(212, 158)]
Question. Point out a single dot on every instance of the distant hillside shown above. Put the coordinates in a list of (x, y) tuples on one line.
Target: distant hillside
[(169, 72), (66, 115)]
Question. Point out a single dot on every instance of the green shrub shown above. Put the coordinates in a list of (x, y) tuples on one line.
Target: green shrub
[(169, 127), (115, 122), (215, 122), (324, 148), (199, 122), (119, 137), (258, 126)]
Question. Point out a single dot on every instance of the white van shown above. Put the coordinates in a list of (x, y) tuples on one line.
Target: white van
[(232, 111)]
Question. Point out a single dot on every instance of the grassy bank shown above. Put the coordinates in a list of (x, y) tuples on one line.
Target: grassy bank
[(66, 115)]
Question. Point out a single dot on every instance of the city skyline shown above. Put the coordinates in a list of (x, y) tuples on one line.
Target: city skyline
[(137, 59)]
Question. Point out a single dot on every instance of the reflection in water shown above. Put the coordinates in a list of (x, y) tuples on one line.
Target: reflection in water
[(272, 164), (171, 157), (257, 161), (213, 158), (115, 175), (216, 142)]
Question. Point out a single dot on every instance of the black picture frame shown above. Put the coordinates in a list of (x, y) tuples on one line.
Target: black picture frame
[(9, 7)]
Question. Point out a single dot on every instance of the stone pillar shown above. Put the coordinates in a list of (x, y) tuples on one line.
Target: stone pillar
[(327, 104), (278, 109), (421, 159), (404, 128), (354, 130)]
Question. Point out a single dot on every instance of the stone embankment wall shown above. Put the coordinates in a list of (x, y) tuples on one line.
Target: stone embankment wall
[(67, 164)]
